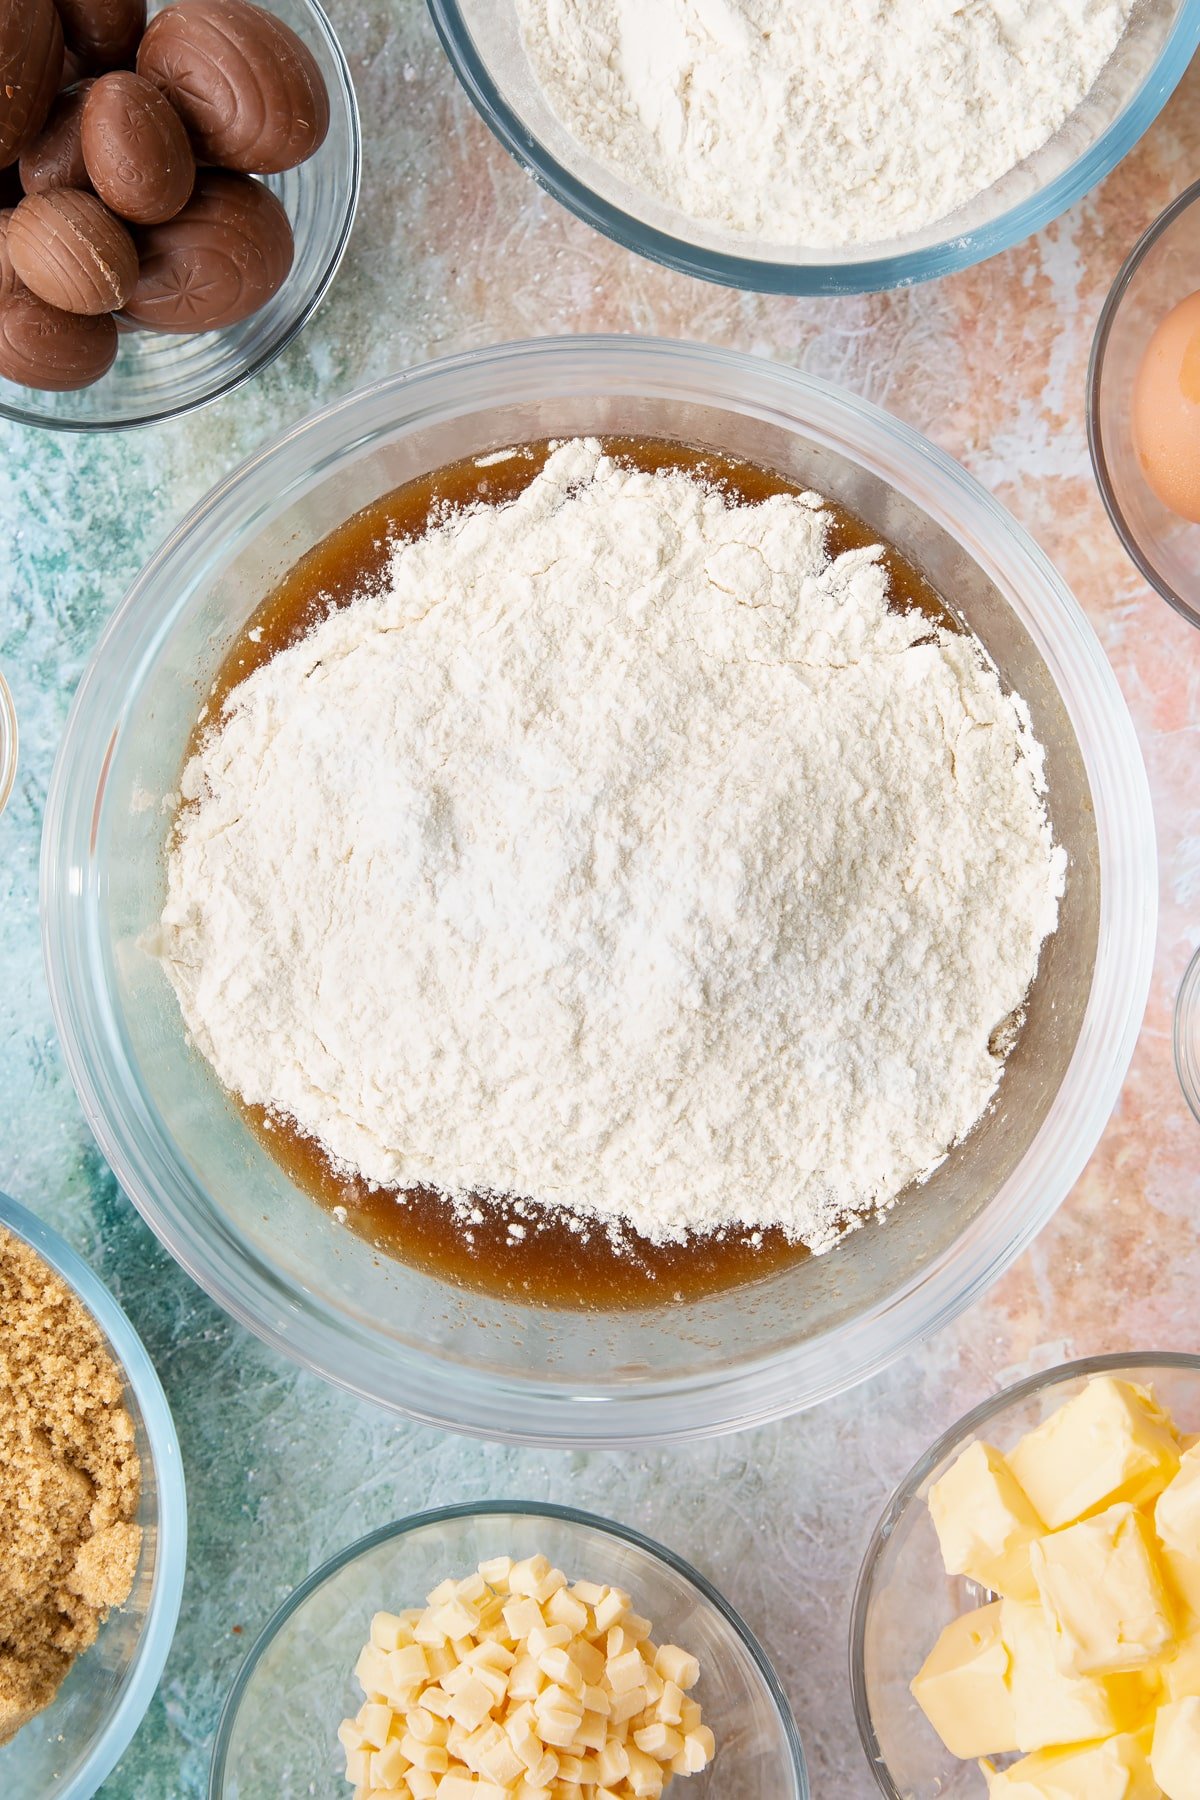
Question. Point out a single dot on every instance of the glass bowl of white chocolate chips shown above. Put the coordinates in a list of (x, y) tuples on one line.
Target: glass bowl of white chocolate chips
[(507, 1649), (1027, 1620), (678, 1360)]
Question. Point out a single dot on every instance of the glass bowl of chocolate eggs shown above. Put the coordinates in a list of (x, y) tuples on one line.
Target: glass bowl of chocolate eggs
[(177, 187)]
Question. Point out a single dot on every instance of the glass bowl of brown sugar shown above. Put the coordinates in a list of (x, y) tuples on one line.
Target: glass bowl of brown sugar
[(69, 1747)]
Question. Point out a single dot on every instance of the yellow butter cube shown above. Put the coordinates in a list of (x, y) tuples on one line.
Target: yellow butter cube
[(1103, 1593), (1050, 1707), (963, 1687), (1177, 1513), (1116, 1769), (985, 1523), (1111, 1442), (1182, 1574), (1175, 1753), (1180, 1673)]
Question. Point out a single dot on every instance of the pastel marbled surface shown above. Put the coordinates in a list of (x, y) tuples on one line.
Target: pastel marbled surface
[(454, 248)]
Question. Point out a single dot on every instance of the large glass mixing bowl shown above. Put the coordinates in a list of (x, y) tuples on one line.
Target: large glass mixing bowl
[(483, 41), (280, 1263)]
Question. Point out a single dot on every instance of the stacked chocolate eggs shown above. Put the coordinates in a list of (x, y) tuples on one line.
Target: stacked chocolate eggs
[(128, 163)]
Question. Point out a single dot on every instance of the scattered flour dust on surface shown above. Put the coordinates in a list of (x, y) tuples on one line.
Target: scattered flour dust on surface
[(623, 852), (824, 123)]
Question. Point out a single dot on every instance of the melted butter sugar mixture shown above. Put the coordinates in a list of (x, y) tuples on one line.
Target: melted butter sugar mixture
[(733, 1188)]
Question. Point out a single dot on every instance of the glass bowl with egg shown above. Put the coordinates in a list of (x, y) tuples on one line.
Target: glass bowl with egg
[(1143, 405), (485, 43), (279, 1728), (1117, 1451), (70, 1748), (159, 375), (692, 1353)]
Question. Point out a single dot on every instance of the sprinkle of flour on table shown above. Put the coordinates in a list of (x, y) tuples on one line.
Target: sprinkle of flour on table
[(817, 122), (623, 852)]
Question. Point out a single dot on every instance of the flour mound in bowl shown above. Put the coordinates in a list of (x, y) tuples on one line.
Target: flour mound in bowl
[(622, 851), (822, 123)]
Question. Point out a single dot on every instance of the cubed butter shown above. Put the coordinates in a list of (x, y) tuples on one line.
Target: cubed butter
[(1116, 1769), (1111, 1442), (963, 1687), (1180, 1673), (1053, 1708), (1175, 1753), (1182, 1574), (1103, 1593), (1177, 1513), (985, 1523)]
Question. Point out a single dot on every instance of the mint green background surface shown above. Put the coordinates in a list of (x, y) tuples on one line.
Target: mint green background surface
[(455, 247)]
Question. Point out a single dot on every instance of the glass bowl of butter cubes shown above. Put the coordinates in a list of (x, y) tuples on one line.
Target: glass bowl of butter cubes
[(507, 1651), (1027, 1620)]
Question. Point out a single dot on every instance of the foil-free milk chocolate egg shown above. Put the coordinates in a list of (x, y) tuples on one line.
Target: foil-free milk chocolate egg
[(54, 158), (104, 33), (217, 261), (41, 347), (10, 281), (248, 90), (70, 251), (135, 149), (31, 60), (75, 68)]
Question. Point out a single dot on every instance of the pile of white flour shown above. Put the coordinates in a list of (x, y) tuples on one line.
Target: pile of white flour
[(823, 123), (623, 853)]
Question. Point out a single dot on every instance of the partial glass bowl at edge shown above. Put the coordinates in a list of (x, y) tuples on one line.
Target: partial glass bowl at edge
[(905, 1598), (483, 41), (280, 1263), (1162, 269), (159, 375), (68, 1750), (277, 1733)]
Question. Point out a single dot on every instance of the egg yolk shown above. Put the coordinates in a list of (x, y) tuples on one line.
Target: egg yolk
[(1166, 410)]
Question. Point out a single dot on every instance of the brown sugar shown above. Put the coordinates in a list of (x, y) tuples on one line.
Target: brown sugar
[(70, 1480)]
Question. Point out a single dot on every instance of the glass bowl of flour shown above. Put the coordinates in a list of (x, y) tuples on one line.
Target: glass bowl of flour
[(817, 149), (241, 1221)]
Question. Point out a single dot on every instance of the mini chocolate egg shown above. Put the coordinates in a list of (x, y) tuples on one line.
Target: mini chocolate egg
[(10, 281), (75, 68), (54, 158), (217, 261), (248, 90), (41, 347), (31, 60), (70, 251), (1166, 410), (104, 34), (135, 149)]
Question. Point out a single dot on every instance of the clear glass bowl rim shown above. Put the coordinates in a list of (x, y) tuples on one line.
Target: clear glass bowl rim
[(439, 1392), (158, 1630), (1108, 314), (10, 740), (903, 1496), (476, 1509), (840, 276), (157, 415), (1187, 1035)]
